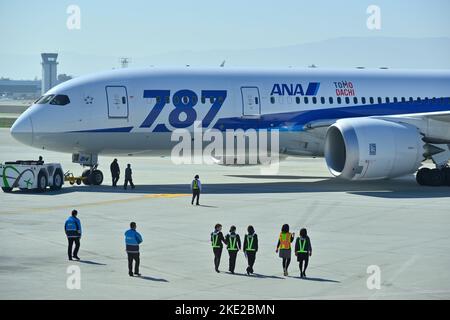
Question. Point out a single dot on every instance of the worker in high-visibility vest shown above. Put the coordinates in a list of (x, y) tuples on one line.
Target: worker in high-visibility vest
[(250, 248), (303, 250), (233, 246), (217, 241), (284, 247), (196, 187)]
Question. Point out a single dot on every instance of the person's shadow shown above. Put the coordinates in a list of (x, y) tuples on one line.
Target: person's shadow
[(254, 275), (152, 279), (92, 262), (317, 279)]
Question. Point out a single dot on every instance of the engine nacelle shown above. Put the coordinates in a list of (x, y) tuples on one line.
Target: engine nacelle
[(369, 149)]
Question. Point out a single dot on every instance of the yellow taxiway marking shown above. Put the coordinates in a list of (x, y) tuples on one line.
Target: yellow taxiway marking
[(105, 202)]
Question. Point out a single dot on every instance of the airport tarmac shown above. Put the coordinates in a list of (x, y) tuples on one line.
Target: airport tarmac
[(397, 225)]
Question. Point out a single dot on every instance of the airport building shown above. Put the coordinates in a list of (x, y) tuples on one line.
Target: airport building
[(20, 89)]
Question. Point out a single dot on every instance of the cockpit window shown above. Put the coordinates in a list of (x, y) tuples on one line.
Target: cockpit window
[(45, 99), (60, 100), (57, 100)]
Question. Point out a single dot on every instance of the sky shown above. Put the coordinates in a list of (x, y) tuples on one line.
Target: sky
[(144, 28)]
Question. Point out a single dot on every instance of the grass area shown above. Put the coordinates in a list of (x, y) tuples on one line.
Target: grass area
[(6, 122)]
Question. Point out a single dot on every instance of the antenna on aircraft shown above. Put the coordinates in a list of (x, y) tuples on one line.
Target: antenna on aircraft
[(124, 62), (312, 66), (223, 64)]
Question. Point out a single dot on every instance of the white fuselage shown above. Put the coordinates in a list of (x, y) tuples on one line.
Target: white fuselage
[(135, 111)]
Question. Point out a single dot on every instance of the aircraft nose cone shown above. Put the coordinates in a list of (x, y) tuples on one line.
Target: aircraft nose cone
[(22, 130)]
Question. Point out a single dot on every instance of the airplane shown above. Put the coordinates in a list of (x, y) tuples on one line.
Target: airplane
[(368, 124)]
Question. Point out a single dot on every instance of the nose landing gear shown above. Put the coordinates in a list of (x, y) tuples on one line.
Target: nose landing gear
[(91, 176)]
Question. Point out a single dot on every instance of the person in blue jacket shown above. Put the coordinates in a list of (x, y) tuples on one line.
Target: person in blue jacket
[(132, 241), (72, 227)]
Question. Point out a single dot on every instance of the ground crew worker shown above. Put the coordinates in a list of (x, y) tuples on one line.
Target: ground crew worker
[(233, 246), (284, 247), (303, 250), (196, 187), (115, 172), (132, 241), (250, 248), (217, 241), (128, 177), (41, 160), (72, 228)]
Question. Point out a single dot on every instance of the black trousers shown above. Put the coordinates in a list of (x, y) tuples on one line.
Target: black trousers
[(195, 194), (77, 247), (251, 257), (115, 179), (217, 255), (126, 183), (303, 260), (136, 257), (233, 256)]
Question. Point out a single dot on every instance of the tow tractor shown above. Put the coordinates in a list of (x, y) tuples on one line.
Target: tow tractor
[(31, 175)]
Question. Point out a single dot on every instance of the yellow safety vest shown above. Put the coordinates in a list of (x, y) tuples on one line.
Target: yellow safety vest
[(285, 240), (195, 182)]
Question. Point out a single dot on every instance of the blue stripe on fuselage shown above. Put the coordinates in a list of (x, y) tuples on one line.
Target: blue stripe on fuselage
[(295, 121), (122, 129)]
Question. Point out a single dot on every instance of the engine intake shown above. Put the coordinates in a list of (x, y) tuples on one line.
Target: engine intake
[(369, 149)]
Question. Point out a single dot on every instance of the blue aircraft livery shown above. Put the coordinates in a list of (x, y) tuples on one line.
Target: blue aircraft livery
[(292, 89)]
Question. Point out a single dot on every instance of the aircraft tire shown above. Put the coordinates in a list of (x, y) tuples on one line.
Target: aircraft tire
[(85, 176), (96, 178)]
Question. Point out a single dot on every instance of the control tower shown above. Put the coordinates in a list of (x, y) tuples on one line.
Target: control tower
[(49, 65)]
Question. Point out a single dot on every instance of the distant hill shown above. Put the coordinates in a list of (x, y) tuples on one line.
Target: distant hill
[(343, 52)]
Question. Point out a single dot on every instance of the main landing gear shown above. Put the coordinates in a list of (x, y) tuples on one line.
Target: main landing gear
[(439, 176), (91, 176), (433, 177)]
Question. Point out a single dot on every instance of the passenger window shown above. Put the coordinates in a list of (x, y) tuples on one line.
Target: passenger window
[(371, 100), (388, 100), (297, 100), (60, 100), (363, 100), (403, 99), (45, 99), (395, 99), (256, 100), (306, 100), (167, 98), (314, 100), (124, 100), (272, 100), (203, 99), (322, 100), (355, 100), (330, 100), (339, 100), (380, 101), (347, 100), (411, 99)]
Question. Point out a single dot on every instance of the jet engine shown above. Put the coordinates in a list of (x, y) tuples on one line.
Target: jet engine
[(370, 149)]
